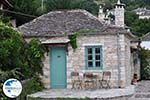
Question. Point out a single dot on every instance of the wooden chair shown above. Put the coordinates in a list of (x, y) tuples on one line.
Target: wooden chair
[(76, 81), (106, 79), (99, 80)]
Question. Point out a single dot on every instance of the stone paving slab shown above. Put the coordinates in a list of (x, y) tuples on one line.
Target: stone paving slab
[(143, 90), (143, 86), (142, 95), (98, 93)]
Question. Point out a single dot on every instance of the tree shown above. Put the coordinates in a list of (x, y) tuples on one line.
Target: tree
[(17, 56), (145, 63), (29, 7), (138, 26), (130, 17), (88, 5), (35, 8), (141, 27)]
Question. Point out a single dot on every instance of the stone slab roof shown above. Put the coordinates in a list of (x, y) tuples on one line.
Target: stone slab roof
[(146, 13), (59, 23), (146, 37), (143, 11), (139, 9)]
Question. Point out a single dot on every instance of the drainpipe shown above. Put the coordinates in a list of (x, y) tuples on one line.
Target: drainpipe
[(119, 63)]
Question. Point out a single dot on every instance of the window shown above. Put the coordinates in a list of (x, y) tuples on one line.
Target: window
[(93, 57)]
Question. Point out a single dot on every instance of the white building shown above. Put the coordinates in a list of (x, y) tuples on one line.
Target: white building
[(143, 13)]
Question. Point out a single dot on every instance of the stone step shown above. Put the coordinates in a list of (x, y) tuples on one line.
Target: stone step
[(142, 95)]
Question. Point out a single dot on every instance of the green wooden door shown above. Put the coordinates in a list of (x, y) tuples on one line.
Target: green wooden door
[(58, 68)]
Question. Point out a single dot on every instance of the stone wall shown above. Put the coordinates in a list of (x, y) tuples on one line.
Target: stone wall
[(128, 61), (76, 59), (46, 71)]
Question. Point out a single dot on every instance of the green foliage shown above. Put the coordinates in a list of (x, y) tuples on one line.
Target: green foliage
[(145, 64), (34, 7), (90, 6), (130, 18), (15, 53), (19, 59), (73, 40), (4, 75), (11, 47), (29, 87), (30, 7), (62, 4), (139, 27), (4, 19), (26, 6), (34, 53), (2, 96)]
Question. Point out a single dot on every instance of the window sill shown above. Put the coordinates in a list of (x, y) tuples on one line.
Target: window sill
[(93, 70)]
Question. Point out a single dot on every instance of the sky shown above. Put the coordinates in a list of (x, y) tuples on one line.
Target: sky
[(145, 44)]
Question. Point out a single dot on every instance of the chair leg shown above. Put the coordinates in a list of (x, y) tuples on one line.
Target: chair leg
[(108, 84), (86, 85), (81, 84), (104, 82), (100, 84), (73, 85)]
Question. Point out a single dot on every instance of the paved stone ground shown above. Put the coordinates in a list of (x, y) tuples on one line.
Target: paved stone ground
[(142, 91), (106, 94)]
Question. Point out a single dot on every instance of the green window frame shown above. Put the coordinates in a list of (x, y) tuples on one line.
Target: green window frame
[(93, 57)]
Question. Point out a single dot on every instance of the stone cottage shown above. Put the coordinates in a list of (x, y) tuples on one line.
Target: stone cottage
[(100, 47)]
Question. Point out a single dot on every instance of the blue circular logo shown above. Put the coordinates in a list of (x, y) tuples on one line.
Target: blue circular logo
[(12, 88)]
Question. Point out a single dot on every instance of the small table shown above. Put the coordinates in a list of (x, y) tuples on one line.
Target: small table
[(89, 80)]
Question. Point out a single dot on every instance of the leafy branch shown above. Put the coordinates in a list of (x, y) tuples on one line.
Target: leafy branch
[(73, 40)]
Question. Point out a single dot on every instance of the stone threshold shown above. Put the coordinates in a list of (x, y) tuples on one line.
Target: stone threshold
[(96, 93)]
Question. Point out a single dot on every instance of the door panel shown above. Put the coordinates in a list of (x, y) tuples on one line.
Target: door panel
[(58, 68)]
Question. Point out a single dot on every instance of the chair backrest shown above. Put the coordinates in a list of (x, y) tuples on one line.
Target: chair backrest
[(106, 75), (74, 74)]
